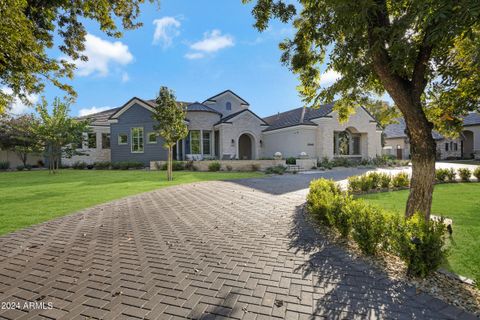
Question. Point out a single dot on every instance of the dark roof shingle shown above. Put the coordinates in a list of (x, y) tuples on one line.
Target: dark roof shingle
[(298, 116), (397, 130)]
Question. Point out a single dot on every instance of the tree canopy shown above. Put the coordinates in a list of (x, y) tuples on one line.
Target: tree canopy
[(424, 53), (171, 126), (28, 30)]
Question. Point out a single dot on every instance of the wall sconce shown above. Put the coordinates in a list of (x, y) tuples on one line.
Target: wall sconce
[(261, 143), (233, 142)]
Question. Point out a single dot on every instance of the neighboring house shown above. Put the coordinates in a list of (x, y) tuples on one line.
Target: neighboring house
[(223, 127), (466, 146)]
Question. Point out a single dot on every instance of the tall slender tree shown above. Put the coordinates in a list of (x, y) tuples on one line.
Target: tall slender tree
[(424, 53), (171, 126), (59, 133)]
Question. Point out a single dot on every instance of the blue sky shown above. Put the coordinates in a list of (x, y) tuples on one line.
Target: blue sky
[(201, 48)]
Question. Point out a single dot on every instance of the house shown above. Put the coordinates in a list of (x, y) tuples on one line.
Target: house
[(465, 146), (223, 127)]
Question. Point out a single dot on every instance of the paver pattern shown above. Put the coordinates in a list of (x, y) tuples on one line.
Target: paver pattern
[(214, 250)]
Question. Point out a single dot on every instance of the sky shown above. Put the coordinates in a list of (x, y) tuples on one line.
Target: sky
[(196, 48)]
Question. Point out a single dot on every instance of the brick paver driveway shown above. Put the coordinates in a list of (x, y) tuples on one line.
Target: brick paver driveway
[(212, 250)]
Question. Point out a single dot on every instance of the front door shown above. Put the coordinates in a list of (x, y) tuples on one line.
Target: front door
[(245, 147), (399, 154)]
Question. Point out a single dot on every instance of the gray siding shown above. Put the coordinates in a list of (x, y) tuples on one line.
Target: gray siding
[(136, 116)]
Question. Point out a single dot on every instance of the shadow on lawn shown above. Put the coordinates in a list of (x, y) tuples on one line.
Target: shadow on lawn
[(349, 286)]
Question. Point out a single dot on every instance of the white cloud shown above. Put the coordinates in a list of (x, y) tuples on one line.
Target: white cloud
[(87, 111), (194, 55), (17, 107), (101, 55), (125, 77), (166, 29), (213, 41), (329, 77)]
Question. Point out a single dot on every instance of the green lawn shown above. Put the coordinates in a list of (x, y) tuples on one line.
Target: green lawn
[(28, 198), (460, 202)]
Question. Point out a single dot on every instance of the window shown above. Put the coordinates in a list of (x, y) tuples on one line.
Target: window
[(137, 140), (356, 145), (206, 142), (122, 138), (152, 137), (195, 142), (455, 146), (446, 146), (228, 105), (346, 143), (105, 140), (92, 140)]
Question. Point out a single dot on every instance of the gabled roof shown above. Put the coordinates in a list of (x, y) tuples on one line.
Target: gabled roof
[(197, 106), (233, 115), (298, 116), (397, 130), (213, 99), (472, 119), (100, 118), (148, 104)]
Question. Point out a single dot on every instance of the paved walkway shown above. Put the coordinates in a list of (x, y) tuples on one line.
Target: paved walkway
[(214, 250)]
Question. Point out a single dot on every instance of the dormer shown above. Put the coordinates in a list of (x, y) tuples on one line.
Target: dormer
[(227, 102)]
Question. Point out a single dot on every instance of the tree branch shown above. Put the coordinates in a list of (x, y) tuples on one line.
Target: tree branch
[(419, 79)]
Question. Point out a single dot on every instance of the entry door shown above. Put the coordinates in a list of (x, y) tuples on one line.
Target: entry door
[(399, 154)]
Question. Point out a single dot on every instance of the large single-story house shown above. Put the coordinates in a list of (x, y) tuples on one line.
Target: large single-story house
[(223, 127), (465, 146)]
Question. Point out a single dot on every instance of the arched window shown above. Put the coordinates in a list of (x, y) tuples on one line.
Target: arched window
[(228, 105), (343, 139), (346, 143)]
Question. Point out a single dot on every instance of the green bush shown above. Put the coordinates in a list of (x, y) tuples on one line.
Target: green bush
[(441, 175), (214, 166), (366, 183), (20, 167), (323, 200), (125, 165), (385, 180), (4, 165), (102, 165), (229, 167), (279, 169), (354, 184), (79, 165), (476, 173), (325, 163), (464, 174), (291, 160), (375, 180), (368, 226), (421, 244), (400, 180), (451, 175), (342, 162), (176, 166), (189, 166)]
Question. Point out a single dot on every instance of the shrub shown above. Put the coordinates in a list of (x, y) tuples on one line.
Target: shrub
[(366, 183), (176, 166), (342, 162), (229, 167), (451, 175), (189, 166), (354, 184), (476, 173), (291, 160), (276, 170), (323, 200), (90, 166), (368, 226), (441, 175), (464, 174), (375, 180), (342, 215), (79, 165), (255, 167), (325, 163), (125, 165), (421, 244), (4, 165), (20, 167), (102, 165), (214, 166), (385, 180), (400, 180)]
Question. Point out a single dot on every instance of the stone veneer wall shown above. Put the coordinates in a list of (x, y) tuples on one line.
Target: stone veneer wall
[(237, 165)]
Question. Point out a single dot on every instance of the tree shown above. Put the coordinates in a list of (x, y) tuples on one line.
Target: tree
[(171, 123), (27, 32), (17, 134), (58, 132), (383, 112), (423, 53)]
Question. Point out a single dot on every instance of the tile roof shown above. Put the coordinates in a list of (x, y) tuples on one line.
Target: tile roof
[(472, 119), (100, 118), (298, 116), (197, 106), (397, 130)]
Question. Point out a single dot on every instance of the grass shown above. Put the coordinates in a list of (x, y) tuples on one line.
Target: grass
[(458, 201), (28, 198)]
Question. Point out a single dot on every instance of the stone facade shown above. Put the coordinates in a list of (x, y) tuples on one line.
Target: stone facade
[(92, 155)]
